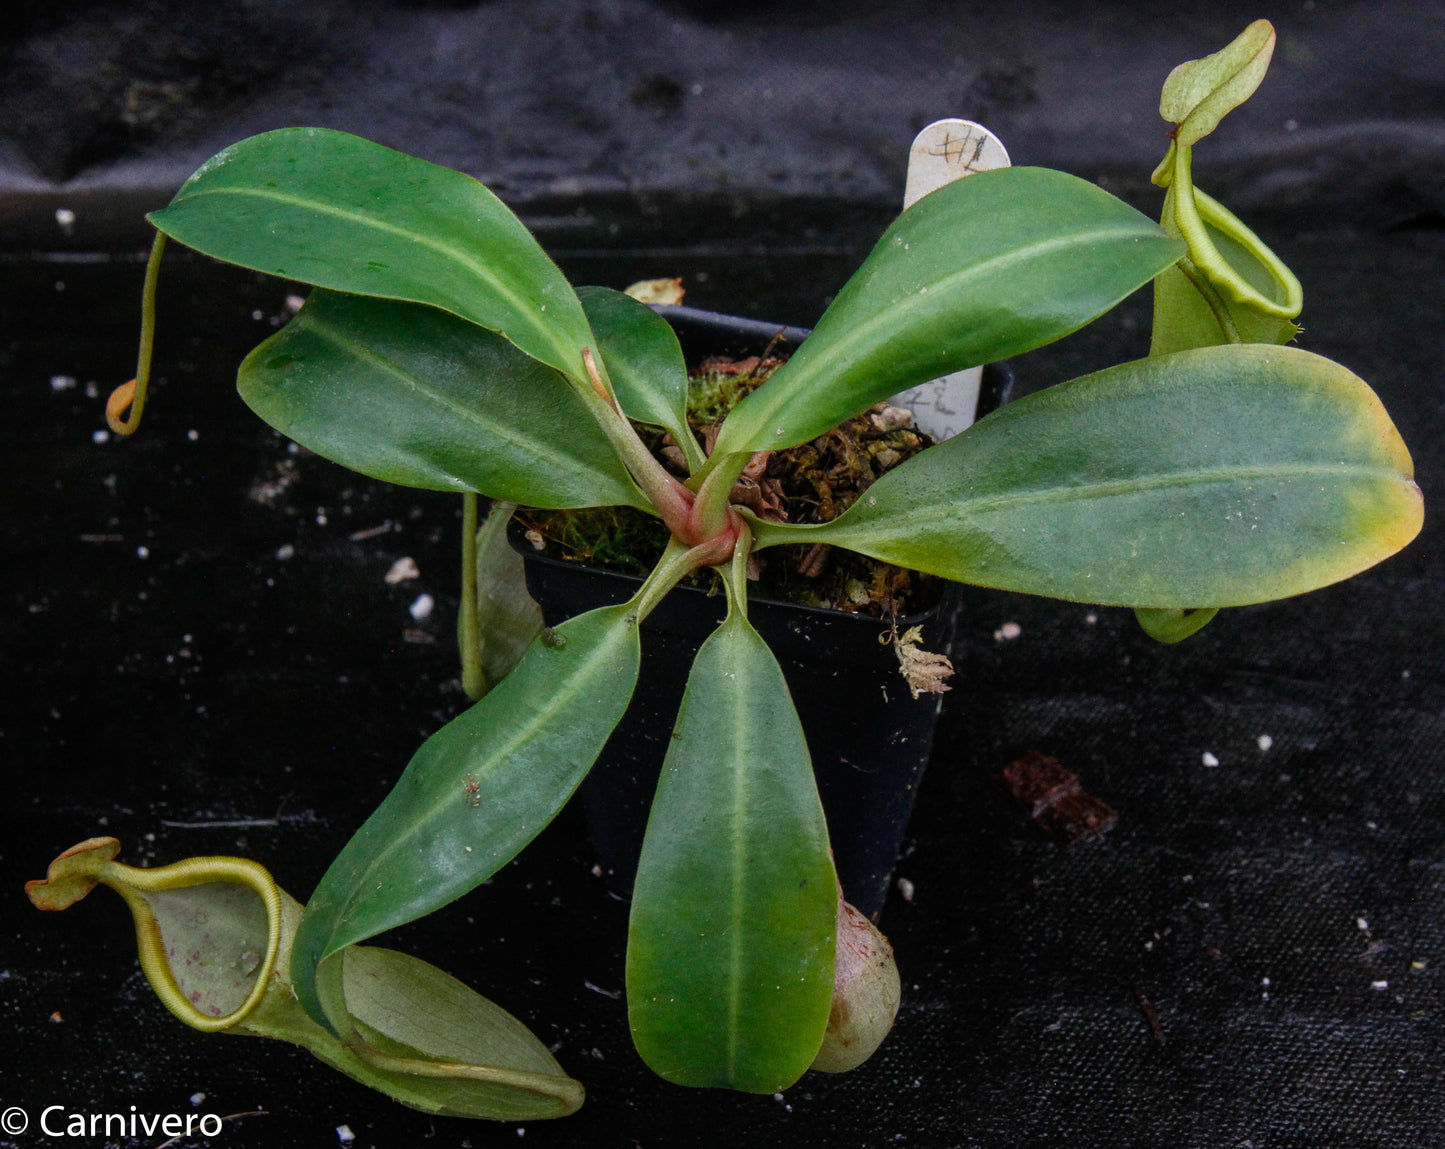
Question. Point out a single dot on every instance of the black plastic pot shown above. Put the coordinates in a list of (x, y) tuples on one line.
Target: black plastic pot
[(869, 739)]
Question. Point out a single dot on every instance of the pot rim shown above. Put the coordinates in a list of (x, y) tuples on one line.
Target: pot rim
[(519, 544)]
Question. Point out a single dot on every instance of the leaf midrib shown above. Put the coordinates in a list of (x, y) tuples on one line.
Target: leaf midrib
[(737, 909), (454, 254), (529, 446), (985, 504), (887, 317)]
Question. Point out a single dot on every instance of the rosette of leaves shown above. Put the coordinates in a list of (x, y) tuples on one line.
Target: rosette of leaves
[(442, 349)]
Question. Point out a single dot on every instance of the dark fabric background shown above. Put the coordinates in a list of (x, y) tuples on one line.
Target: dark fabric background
[(1283, 912)]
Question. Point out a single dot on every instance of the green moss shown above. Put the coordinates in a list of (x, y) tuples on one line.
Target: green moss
[(618, 538), (711, 394)]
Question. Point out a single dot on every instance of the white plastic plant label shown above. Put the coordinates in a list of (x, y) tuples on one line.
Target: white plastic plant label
[(945, 151)]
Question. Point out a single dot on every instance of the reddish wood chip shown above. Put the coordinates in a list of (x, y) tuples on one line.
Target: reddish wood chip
[(1056, 799)]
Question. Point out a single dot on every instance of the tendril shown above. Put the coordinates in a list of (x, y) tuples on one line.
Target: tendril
[(131, 397)]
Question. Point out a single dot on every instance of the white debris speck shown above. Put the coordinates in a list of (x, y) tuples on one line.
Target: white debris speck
[(193, 435), (62, 382), (423, 607), (1091, 618), (100, 437), (345, 1135), (1264, 741), (1007, 632), (1209, 759), (197, 1098), (293, 303), (1264, 981), (142, 552), (258, 314), (1291, 125), (536, 539), (66, 219), (1379, 985), (285, 551), (401, 570), (905, 889), (1362, 923)]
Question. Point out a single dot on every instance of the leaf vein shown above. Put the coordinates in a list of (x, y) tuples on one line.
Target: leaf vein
[(985, 504), (535, 448), (886, 319), (471, 263)]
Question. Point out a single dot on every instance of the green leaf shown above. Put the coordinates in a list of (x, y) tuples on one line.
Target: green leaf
[(1171, 626), (413, 1004), (1200, 93), (477, 791), (420, 1036), (508, 617), (730, 942), (981, 269), (337, 211), (1215, 477), (410, 1011), (411, 395), (644, 361)]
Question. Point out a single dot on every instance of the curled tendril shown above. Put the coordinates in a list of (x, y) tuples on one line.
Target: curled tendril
[(131, 397), (121, 400)]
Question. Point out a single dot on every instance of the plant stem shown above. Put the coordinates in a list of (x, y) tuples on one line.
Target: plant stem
[(679, 561), (736, 579), (715, 489), (132, 395), (469, 630), (670, 498)]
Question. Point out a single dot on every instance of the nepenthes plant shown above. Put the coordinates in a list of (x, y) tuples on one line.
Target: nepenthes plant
[(441, 348)]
